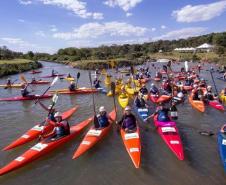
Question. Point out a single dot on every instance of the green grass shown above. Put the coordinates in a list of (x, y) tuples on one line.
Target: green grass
[(15, 61)]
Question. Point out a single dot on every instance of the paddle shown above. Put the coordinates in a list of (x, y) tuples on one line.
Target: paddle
[(113, 94), (213, 82), (78, 76), (96, 122), (53, 82), (132, 72), (22, 78), (186, 66), (54, 101), (10, 84)]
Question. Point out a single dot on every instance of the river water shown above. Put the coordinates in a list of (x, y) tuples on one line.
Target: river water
[(108, 162)]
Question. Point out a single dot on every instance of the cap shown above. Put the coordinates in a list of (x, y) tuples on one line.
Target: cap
[(57, 114), (102, 109), (127, 108)]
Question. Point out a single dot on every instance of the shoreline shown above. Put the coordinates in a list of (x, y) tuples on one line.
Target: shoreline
[(10, 67)]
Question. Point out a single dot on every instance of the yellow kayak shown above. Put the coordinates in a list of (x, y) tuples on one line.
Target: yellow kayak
[(223, 98), (107, 80), (123, 100), (131, 90), (69, 79), (12, 86)]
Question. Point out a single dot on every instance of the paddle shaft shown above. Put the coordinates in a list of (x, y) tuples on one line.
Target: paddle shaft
[(213, 82)]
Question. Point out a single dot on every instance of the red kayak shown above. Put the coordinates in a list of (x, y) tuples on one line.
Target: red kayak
[(51, 76), (164, 98), (92, 137), (39, 82), (35, 72), (170, 134), (153, 98), (133, 145), (43, 147), (157, 79), (30, 97), (216, 105), (35, 131)]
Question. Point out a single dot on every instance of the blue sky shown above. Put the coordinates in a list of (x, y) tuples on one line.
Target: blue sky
[(47, 25)]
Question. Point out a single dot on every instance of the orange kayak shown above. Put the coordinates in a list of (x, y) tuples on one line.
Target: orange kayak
[(163, 98), (133, 145), (43, 147), (35, 131), (92, 137), (197, 104)]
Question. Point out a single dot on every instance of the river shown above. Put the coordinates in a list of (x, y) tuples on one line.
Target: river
[(108, 162)]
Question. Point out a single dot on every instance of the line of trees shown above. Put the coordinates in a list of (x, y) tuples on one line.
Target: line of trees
[(128, 51)]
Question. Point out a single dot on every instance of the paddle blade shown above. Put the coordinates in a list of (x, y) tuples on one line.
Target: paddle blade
[(132, 70), (113, 88), (23, 79), (78, 75), (186, 66), (55, 98), (54, 81), (96, 122)]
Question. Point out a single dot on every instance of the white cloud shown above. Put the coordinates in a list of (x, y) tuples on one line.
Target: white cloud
[(53, 28), (126, 5), (11, 40), (203, 12), (40, 33), (94, 30), (25, 2), (182, 33), (128, 14), (163, 27), (153, 29), (21, 20), (78, 7)]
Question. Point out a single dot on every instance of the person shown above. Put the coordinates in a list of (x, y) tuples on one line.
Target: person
[(173, 111), (189, 81), (158, 75), (8, 82), (139, 101), (69, 75), (199, 68), (24, 91), (223, 92), (154, 89), (167, 87), (209, 96), (50, 109), (197, 93), (61, 128), (96, 83), (103, 118), (161, 112), (72, 86), (53, 72), (223, 129), (33, 80), (128, 121), (143, 89), (202, 83)]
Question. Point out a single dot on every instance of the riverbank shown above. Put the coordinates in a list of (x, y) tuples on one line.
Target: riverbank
[(9, 67)]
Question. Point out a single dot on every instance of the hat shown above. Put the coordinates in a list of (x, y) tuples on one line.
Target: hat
[(102, 109), (127, 108), (57, 114), (50, 107)]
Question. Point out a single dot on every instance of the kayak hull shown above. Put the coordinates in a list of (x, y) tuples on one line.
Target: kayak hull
[(123, 100), (132, 144), (77, 91), (221, 140), (92, 137), (21, 98), (42, 148), (198, 105), (52, 76), (216, 105)]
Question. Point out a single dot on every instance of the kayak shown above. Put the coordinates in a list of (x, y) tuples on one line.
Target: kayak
[(39, 82), (133, 145), (35, 72), (221, 140), (123, 100), (216, 105), (197, 104), (51, 76), (163, 98), (43, 147), (11, 86), (69, 78), (107, 80), (82, 90), (131, 90), (31, 97), (35, 131), (143, 113), (92, 137), (157, 79), (222, 97), (170, 134), (153, 98)]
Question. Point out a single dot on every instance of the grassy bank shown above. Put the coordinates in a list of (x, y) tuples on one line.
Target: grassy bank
[(9, 67)]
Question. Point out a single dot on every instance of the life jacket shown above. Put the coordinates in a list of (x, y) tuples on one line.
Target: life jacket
[(24, 92), (163, 115), (129, 122), (144, 90), (140, 102), (209, 96), (51, 117), (72, 87), (103, 120), (63, 129)]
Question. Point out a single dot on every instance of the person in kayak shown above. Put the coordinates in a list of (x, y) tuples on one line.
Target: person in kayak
[(158, 75), (167, 87), (223, 129), (9, 83), (202, 83), (33, 80), (50, 109), (154, 89), (72, 86), (189, 81), (69, 75), (161, 112), (53, 72), (197, 93), (103, 118), (24, 91), (128, 121), (199, 68), (96, 83), (139, 101), (209, 95), (143, 89), (61, 128)]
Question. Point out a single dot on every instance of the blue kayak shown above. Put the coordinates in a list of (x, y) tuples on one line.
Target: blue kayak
[(143, 113), (221, 139)]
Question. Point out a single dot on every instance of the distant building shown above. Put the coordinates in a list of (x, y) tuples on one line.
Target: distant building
[(185, 50), (205, 48)]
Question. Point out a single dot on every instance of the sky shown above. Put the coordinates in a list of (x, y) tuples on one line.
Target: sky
[(48, 25)]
